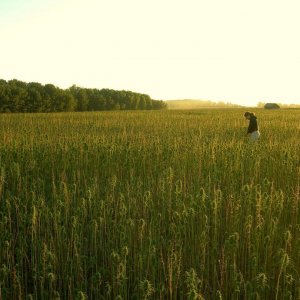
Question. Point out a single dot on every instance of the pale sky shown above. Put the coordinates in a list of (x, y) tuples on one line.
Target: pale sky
[(235, 50)]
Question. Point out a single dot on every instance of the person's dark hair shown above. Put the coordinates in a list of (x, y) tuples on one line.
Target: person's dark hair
[(248, 113)]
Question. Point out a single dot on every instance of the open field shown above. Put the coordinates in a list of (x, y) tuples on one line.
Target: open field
[(149, 205)]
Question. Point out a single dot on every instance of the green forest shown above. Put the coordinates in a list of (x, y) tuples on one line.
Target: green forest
[(19, 96)]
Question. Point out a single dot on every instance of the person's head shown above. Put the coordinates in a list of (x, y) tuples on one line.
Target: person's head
[(248, 115)]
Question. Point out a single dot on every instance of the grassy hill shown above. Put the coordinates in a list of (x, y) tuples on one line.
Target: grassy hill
[(197, 104)]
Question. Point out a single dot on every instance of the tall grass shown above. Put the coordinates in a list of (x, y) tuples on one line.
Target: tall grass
[(149, 205)]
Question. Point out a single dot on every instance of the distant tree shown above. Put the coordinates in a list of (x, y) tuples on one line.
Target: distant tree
[(35, 100), (271, 106), (5, 105), (70, 101), (50, 90), (82, 100), (148, 102), (58, 101), (80, 95), (136, 102), (159, 104), (96, 100), (142, 103), (129, 104)]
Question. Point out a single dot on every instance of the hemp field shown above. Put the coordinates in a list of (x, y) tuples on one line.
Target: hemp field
[(149, 205)]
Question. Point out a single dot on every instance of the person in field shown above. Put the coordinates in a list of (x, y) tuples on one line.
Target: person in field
[(253, 130)]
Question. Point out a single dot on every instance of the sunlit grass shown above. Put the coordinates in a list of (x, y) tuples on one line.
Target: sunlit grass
[(149, 205)]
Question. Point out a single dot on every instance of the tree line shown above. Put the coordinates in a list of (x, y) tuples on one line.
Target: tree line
[(19, 96)]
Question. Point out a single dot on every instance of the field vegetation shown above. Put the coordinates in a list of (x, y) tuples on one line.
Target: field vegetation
[(149, 205)]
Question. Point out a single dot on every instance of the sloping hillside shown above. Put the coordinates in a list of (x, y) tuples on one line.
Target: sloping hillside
[(197, 104)]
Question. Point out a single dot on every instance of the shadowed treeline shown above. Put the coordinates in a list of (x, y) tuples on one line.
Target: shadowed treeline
[(18, 96)]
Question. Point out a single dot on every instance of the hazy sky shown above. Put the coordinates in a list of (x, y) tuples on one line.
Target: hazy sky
[(234, 50)]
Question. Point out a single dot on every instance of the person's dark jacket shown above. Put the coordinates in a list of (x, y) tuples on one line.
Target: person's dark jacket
[(253, 126)]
